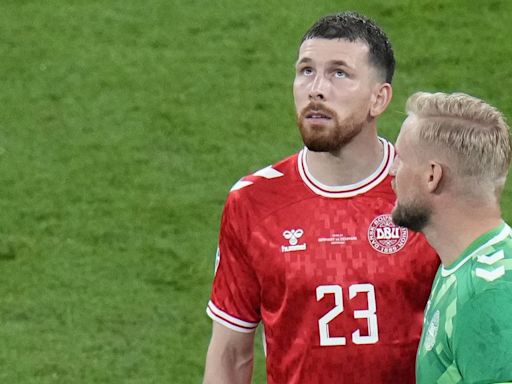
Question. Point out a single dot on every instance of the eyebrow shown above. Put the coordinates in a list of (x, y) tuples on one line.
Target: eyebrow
[(340, 63), (306, 60)]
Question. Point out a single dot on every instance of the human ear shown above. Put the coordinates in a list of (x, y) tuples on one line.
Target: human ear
[(381, 98), (434, 176)]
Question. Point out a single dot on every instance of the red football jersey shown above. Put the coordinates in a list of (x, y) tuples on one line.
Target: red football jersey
[(339, 288)]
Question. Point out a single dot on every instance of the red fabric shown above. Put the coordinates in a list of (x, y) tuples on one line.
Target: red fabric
[(265, 275)]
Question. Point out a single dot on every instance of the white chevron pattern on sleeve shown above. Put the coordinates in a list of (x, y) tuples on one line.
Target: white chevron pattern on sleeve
[(240, 184), (491, 259), (490, 275), (268, 173)]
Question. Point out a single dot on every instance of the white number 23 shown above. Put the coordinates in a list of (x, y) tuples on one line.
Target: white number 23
[(369, 314)]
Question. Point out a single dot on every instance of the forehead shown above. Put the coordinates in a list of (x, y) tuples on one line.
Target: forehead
[(407, 138), (324, 50)]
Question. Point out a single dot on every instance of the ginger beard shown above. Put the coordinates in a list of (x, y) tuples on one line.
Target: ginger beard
[(328, 134)]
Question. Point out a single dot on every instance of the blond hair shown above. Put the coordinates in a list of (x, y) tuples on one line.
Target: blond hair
[(472, 131)]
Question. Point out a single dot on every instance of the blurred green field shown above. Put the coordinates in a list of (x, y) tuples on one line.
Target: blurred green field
[(123, 124)]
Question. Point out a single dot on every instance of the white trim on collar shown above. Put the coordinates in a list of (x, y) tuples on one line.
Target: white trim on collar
[(350, 190), (504, 233)]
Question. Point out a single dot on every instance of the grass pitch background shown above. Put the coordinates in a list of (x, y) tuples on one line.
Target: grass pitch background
[(123, 125)]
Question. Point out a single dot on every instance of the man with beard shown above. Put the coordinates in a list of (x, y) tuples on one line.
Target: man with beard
[(307, 246), (453, 156)]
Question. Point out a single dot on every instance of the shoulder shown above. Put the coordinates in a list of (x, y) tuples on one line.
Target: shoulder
[(266, 177), (267, 189), (494, 266), (490, 298), (494, 301)]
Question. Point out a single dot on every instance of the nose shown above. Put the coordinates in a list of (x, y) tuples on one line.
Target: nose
[(317, 91)]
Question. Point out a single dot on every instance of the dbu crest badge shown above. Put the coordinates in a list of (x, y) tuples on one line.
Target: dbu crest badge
[(386, 237)]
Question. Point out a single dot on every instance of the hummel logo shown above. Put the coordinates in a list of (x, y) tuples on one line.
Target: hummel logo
[(292, 236)]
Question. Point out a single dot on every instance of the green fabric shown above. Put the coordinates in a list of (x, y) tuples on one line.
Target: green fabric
[(467, 332)]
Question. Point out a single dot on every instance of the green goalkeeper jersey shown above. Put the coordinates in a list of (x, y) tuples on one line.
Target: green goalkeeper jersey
[(467, 331)]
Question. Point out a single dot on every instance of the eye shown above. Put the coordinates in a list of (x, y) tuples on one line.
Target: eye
[(340, 74), (307, 71)]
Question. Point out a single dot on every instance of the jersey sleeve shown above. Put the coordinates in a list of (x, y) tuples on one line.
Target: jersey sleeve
[(235, 297), (483, 336)]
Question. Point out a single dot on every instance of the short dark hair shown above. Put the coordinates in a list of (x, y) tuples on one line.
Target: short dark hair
[(353, 26)]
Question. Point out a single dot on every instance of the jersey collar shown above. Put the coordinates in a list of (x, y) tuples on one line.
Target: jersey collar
[(478, 246), (344, 191)]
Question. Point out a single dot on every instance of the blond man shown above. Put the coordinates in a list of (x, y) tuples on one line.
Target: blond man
[(453, 156)]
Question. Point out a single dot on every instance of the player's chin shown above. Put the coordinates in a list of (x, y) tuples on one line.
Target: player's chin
[(319, 143)]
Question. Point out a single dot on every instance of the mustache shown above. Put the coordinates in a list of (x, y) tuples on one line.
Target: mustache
[(317, 107)]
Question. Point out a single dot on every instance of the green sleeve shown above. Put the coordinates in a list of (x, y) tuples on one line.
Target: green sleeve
[(482, 338)]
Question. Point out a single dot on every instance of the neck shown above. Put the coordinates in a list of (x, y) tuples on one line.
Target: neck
[(456, 226), (355, 161)]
